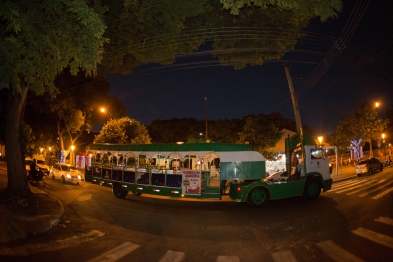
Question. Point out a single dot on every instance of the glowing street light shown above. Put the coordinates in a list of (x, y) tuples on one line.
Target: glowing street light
[(320, 138), (376, 104)]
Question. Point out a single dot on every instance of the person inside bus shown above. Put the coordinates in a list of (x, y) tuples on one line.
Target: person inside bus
[(295, 167)]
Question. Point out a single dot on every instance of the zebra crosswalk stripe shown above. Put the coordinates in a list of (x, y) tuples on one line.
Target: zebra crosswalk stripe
[(337, 253), (116, 253), (228, 259), (385, 220), (284, 256), (346, 186), (376, 189), (374, 236), (354, 187), (172, 256), (364, 188), (387, 191)]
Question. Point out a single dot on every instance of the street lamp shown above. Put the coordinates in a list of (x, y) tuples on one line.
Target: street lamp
[(320, 138), (104, 111)]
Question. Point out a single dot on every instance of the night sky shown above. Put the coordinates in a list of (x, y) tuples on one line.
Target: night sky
[(338, 65)]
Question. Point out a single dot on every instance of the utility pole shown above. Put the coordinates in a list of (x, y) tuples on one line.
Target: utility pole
[(294, 100), (206, 133)]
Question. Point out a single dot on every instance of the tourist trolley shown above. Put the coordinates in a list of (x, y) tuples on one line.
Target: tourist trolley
[(209, 170), (198, 170)]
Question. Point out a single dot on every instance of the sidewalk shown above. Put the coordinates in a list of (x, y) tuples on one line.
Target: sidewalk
[(14, 226), (343, 173)]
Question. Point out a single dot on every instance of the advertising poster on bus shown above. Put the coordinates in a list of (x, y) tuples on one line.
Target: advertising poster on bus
[(191, 182)]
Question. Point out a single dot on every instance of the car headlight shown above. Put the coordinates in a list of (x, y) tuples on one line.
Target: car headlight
[(68, 176), (79, 176)]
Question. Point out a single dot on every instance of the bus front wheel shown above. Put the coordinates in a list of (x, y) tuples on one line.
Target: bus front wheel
[(312, 190), (118, 191), (257, 196)]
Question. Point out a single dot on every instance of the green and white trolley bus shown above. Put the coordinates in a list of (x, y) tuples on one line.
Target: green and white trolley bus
[(207, 170)]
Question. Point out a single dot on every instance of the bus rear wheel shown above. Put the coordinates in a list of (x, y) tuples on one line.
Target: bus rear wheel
[(257, 196), (118, 191)]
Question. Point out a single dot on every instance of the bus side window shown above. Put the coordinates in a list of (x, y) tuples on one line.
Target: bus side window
[(130, 161), (98, 158)]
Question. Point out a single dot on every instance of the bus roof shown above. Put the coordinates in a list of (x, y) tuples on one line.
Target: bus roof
[(215, 147)]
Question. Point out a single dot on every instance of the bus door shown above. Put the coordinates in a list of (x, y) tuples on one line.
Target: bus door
[(210, 165)]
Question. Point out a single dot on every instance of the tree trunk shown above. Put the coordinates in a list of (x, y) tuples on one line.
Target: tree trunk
[(371, 148), (60, 134), (16, 169)]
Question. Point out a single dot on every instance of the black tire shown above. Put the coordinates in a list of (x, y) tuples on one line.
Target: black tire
[(370, 171), (63, 179), (43, 178), (137, 193), (30, 178), (381, 167), (312, 189), (359, 175), (258, 196), (118, 191)]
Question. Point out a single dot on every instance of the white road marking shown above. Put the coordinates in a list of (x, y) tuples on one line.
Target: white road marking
[(346, 186), (354, 187), (116, 253), (375, 237), (374, 190), (338, 184), (172, 256), (364, 188), (387, 191), (385, 220), (228, 259), (284, 256), (337, 253)]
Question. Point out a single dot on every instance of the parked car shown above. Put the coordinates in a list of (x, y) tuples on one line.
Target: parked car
[(66, 173), (368, 166), (40, 164)]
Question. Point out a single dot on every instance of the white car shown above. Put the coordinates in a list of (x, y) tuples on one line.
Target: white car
[(66, 172), (276, 176)]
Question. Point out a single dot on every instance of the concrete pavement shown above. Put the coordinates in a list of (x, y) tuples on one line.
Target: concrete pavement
[(13, 227)]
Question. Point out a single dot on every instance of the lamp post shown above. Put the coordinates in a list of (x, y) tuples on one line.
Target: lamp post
[(207, 140), (72, 155), (370, 141)]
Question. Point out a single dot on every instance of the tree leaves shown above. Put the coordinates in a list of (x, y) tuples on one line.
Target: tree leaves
[(123, 131)]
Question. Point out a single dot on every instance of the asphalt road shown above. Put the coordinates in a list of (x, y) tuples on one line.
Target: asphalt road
[(352, 222)]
